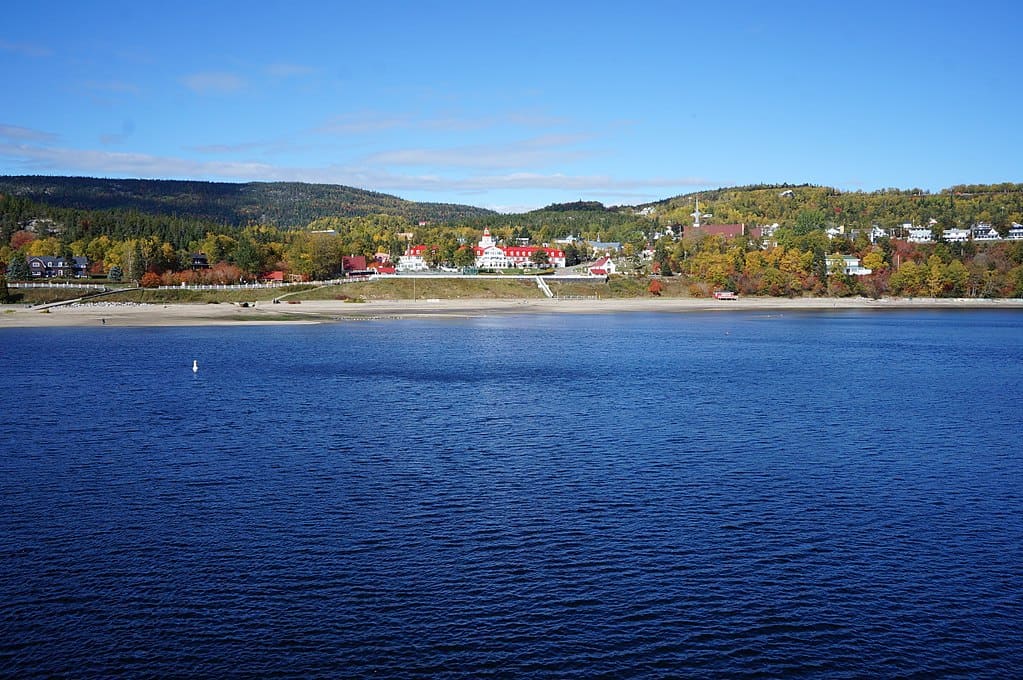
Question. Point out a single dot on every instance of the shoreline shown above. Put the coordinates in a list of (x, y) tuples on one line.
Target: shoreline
[(328, 311)]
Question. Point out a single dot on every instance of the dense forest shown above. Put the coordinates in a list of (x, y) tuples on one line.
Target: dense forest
[(280, 204), (149, 231)]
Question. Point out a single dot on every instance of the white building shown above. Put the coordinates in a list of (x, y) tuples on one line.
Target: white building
[(985, 232), (956, 235), (877, 233), (605, 266), (918, 234), (850, 265), (489, 255), (412, 261)]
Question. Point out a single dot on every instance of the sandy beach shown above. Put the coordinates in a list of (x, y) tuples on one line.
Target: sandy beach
[(324, 311)]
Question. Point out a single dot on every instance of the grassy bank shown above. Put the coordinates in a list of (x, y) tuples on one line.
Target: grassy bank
[(396, 288), (468, 288), (157, 296), (420, 289), (42, 296)]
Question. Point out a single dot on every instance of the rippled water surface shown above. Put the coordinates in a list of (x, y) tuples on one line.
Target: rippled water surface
[(698, 495)]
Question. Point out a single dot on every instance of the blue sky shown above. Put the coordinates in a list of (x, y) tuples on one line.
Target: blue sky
[(513, 106)]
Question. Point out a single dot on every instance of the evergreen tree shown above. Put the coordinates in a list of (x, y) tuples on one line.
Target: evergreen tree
[(572, 257), (661, 258), (17, 268), (135, 263), (246, 256)]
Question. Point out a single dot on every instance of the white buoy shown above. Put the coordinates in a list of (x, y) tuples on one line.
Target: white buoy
[(195, 365)]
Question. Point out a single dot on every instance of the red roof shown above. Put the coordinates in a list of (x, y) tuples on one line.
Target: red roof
[(356, 262), (726, 230)]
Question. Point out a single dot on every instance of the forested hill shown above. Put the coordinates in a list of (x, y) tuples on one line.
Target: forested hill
[(787, 204), (283, 204)]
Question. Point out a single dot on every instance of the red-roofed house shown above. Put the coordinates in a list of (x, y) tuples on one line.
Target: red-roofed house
[(605, 266), (413, 259), (353, 263), (382, 267)]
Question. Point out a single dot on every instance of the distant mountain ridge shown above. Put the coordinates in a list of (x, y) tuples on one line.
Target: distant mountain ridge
[(283, 204)]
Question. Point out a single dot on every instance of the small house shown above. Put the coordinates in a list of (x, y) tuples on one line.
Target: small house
[(51, 266), (605, 266)]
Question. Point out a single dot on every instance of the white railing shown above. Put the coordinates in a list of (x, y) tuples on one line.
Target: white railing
[(262, 284), (58, 284)]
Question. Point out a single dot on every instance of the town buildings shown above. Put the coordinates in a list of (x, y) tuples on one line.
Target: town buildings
[(488, 255)]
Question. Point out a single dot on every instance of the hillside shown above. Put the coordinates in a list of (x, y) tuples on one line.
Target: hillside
[(282, 204), (958, 206)]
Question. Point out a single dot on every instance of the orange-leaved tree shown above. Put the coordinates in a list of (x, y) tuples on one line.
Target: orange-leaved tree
[(150, 280)]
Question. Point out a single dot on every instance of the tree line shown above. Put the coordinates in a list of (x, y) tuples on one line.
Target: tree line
[(131, 243)]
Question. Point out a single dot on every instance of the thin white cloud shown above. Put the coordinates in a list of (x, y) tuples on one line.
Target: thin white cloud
[(228, 148), (18, 133), (112, 138), (289, 70), (366, 122), (537, 151), (213, 82), (529, 180), (263, 147), (126, 164), (26, 49), (346, 125), (64, 160)]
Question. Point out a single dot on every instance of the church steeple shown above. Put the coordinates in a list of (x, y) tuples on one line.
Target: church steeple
[(487, 241)]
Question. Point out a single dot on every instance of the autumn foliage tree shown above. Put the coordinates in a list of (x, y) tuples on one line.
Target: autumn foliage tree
[(21, 238), (150, 280)]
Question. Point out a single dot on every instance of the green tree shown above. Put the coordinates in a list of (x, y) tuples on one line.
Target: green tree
[(134, 262), (808, 220), (661, 259), (540, 258), (5, 292), (246, 256), (465, 257), (572, 257), (17, 268)]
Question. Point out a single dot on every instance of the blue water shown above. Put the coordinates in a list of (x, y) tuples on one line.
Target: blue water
[(697, 495)]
